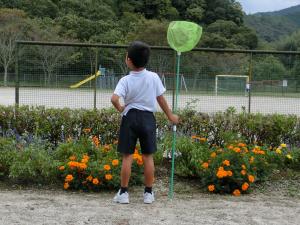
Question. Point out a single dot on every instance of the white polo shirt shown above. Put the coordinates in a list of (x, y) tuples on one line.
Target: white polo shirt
[(139, 90)]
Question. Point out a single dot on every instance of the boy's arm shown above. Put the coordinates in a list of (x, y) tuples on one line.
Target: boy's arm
[(115, 101), (165, 107)]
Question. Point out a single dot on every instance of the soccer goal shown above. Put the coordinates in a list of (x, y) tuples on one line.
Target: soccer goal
[(217, 88)]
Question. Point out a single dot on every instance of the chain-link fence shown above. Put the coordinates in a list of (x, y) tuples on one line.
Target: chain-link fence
[(211, 80)]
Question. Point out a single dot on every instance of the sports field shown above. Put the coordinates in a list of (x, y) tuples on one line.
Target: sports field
[(84, 98)]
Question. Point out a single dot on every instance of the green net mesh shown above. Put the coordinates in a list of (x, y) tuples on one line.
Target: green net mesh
[(183, 36)]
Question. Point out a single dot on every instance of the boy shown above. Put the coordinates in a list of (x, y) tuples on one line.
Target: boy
[(140, 91)]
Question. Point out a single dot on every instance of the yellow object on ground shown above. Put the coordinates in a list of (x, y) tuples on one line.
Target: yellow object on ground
[(86, 80)]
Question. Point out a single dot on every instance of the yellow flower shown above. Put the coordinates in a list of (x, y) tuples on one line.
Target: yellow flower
[(289, 156), (115, 162), (205, 165), (236, 192), (72, 158), (108, 176), (251, 178), (243, 167), (283, 145), (213, 155), (66, 186), (278, 151), (95, 181), (106, 167), (226, 162), (89, 178), (61, 168), (245, 186), (251, 159), (211, 188), (69, 178)]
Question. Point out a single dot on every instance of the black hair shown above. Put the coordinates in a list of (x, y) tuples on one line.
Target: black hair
[(139, 53)]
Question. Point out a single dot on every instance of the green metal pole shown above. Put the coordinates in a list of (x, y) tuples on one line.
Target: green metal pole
[(171, 188)]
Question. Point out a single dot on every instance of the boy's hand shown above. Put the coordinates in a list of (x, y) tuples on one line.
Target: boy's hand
[(174, 119)]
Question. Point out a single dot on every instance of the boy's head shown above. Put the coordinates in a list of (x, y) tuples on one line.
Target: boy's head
[(138, 54)]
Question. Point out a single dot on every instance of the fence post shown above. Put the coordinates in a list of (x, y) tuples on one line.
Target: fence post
[(17, 80), (250, 80), (95, 86)]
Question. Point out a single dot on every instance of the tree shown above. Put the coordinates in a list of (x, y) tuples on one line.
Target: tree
[(13, 27)]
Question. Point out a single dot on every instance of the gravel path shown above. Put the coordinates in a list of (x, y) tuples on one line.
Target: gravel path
[(61, 207)]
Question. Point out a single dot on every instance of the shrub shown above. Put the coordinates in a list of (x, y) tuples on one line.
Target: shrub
[(7, 154), (33, 164), (86, 164)]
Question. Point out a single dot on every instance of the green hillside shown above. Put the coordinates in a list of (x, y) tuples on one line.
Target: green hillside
[(272, 26)]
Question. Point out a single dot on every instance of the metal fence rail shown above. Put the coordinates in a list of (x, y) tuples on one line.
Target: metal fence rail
[(254, 81)]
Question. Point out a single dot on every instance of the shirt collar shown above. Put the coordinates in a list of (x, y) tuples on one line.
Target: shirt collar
[(139, 72)]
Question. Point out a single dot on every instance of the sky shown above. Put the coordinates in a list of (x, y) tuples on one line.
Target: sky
[(254, 6)]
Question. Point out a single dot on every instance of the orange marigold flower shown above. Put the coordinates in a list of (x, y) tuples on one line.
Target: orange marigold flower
[(211, 188), (96, 181), (136, 151), (205, 165), (236, 192), (72, 164), (213, 155), (108, 176), (135, 156), (226, 162), (139, 161), (89, 178), (245, 186), (241, 144), (69, 178), (66, 186), (106, 148), (230, 147), (194, 137), (237, 149), (87, 130), (221, 173), (115, 162), (96, 141), (229, 173), (106, 167), (84, 160), (244, 172), (72, 158), (61, 168), (243, 167), (202, 139), (85, 156), (251, 178), (82, 166)]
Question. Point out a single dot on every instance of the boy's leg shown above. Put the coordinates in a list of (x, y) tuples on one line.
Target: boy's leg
[(148, 169), (126, 170)]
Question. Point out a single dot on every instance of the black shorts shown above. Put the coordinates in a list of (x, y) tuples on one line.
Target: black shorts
[(137, 124)]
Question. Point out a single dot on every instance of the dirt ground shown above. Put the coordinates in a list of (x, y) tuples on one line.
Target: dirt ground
[(275, 203)]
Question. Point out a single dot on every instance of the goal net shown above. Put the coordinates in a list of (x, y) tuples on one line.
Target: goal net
[(231, 83)]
